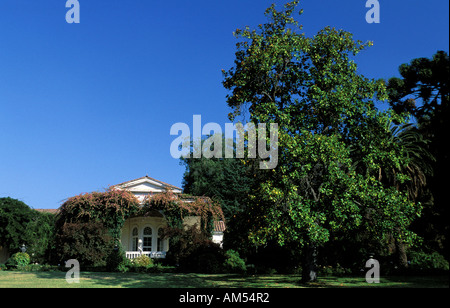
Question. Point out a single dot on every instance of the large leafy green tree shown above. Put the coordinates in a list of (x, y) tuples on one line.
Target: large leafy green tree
[(21, 225), (324, 110), (416, 169), (225, 180), (14, 218), (228, 182)]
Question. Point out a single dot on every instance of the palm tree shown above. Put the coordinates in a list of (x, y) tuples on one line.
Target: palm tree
[(418, 168), (413, 146), (419, 160)]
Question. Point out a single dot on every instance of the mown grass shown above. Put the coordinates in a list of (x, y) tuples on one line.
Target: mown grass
[(16, 279)]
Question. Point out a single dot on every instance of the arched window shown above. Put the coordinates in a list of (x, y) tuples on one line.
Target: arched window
[(160, 240), (134, 239), (147, 239)]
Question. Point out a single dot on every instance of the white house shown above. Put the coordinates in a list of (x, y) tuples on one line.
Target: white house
[(142, 235)]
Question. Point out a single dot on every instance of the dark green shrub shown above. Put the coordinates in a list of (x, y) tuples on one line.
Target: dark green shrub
[(155, 268), (89, 243), (264, 270), (124, 266), (30, 268), (18, 260), (274, 258), (337, 270), (428, 261), (143, 264), (192, 250), (234, 263), (208, 262), (116, 259), (40, 234), (49, 268)]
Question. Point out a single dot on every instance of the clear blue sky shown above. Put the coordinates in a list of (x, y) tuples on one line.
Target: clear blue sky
[(84, 106)]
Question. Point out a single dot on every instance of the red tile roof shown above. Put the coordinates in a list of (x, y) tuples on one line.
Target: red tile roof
[(219, 226), (51, 211)]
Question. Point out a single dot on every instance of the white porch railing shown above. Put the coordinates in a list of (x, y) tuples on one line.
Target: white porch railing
[(152, 254)]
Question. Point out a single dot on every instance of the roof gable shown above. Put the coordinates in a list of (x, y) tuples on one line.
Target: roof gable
[(146, 185)]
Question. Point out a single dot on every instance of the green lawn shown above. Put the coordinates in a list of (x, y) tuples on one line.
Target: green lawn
[(14, 279)]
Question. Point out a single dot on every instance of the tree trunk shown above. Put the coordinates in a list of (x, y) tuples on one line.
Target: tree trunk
[(309, 271), (401, 253)]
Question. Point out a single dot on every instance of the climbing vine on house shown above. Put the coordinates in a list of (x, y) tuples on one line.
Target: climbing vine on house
[(176, 207), (111, 208), (191, 246), (88, 226)]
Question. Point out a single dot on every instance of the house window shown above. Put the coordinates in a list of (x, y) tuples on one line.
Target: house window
[(134, 239), (147, 239), (160, 240)]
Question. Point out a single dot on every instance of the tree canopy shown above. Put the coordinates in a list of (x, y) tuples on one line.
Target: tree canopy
[(327, 120), (22, 225), (227, 181), (14, 218), (423, 89)]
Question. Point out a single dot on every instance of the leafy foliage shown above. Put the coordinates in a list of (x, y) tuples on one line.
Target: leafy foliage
[(41, 237), (224, 180), (14, 218), (234, 263), (428, 261), (228, 182), (88, 226), (111, 208), (193, 250), (143, 261), (324, 110), (90, 243), (423, 91), (19, 260), (176, 207), (19, 224)]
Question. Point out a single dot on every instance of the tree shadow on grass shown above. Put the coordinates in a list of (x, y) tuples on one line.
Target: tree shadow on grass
[(124, 280), (385, 282), (193, 280), (252, 281), (293, 281)]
